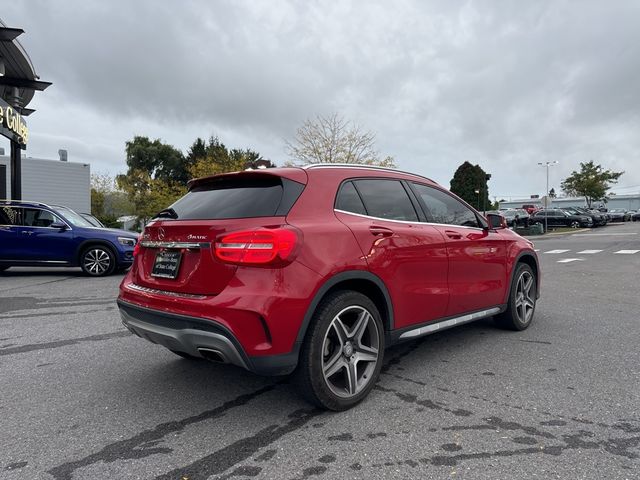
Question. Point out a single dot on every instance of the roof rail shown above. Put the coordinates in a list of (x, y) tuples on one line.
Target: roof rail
[(40, 204), (359, 165)]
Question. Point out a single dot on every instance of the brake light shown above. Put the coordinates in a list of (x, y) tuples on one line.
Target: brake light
[(257, 247)]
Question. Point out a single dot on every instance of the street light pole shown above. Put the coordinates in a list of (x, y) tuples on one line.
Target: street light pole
[(546, 197), (478, 201)]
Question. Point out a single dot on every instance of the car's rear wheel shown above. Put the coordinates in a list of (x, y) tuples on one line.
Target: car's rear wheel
[(342, 355), (97, 261), (522, 300)]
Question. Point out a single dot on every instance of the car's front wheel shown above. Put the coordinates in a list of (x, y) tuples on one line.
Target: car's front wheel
[(522, 300), (97, 261), (342, 355)]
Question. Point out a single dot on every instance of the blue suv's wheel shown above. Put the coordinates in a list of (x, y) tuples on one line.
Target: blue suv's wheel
[(97, 261)]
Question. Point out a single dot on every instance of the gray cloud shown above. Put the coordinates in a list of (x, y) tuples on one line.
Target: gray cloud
[(504, 84)]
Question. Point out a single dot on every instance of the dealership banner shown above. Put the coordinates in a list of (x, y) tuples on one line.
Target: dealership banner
[(12, 125)]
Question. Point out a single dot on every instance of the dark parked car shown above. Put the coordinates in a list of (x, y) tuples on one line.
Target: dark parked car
[(635, 216), (92, 220), (317, 270), (619, 215), (36, 234), (556, 217), (599, 219), (516, 217)]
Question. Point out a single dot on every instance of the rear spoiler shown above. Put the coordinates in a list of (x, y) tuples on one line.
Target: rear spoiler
[(292, 173)]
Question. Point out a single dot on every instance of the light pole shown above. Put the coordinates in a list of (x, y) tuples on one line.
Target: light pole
[(478, 202), (546, 197)]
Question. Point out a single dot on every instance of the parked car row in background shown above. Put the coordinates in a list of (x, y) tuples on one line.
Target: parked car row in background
[(575, 217)]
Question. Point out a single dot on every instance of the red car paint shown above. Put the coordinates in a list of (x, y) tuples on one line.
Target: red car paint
[(430, 271)]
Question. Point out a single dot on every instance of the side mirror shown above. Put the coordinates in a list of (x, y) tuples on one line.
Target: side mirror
[(58, 225), (496, 221)]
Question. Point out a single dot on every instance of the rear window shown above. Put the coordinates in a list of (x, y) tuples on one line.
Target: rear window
[(223, 198)]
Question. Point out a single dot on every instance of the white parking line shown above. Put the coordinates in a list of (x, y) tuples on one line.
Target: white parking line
[(603, 234), (557, 251), (626, 252), (569, 260), (589, 252)]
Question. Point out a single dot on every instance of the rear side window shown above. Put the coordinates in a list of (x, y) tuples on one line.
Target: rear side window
[(243, 197), (349, 200), (386, 199), (443, 208), (10, 216)]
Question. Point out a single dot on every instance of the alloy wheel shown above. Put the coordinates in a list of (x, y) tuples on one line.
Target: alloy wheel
[(350, 351), (97, 261), (525, 297)]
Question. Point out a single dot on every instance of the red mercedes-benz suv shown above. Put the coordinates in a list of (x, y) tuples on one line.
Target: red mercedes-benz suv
[(316, 270)]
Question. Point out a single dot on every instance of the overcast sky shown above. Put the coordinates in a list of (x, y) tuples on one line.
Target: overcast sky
[(503, 84)]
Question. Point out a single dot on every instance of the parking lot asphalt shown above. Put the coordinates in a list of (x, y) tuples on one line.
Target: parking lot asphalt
[(81, 398)]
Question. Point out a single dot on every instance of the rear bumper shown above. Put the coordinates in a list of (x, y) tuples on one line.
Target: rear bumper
[(200, 338)]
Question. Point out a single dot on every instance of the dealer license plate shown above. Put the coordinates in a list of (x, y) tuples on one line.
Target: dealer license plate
[(166, 264)]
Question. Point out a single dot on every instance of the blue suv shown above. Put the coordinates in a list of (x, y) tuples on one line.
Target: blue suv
[(36, 234)]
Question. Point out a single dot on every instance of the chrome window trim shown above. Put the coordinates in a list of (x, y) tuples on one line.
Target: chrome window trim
[(407, 221), (158, 244)]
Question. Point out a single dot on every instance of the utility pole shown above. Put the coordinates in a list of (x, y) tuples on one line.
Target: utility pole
[(546, 197)]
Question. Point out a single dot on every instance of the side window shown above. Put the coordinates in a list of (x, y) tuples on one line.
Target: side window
[(386, 199), (10, 216), (34, 217), (349, 200), (443, 208)]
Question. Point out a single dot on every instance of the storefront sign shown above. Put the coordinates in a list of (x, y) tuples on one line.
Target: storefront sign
[(12, 125)]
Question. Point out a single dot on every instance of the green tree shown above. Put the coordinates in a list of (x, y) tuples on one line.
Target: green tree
[(469, 182), (592, 182), (333, 139), (101, 185), (216, 158), (158, 159), (107, 201), (149, 195)]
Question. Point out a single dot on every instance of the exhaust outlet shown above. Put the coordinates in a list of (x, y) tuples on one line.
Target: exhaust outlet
[(212, 355)]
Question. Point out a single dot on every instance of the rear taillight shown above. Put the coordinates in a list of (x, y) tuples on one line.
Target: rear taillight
[(257, 247)]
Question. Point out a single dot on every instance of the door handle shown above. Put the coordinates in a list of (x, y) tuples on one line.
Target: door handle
[(381, 231), (27, 232), (453, 235)]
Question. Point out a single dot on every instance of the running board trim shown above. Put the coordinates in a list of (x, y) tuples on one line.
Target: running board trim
[(435, 327)]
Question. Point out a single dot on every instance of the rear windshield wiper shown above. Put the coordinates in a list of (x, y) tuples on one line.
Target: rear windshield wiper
[(167, 213)]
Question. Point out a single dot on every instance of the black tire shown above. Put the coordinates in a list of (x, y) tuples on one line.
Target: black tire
[(520, 308), (185, 355), (353, 317), (575, 224), (97, 261)]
